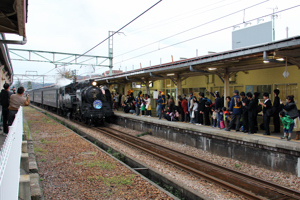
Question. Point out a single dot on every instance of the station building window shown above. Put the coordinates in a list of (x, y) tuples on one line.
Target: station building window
[(261, 89), (286, 90)]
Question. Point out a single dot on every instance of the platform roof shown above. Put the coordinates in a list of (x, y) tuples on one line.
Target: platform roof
[(13, 16), (233, 61)]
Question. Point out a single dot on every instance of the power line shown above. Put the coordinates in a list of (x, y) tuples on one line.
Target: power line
[(112, 34), (187, 16), (118, 30), (140, 30), (193, 28), (208, 33)]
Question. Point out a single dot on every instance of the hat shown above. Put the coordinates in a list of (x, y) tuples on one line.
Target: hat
[(236, 91)]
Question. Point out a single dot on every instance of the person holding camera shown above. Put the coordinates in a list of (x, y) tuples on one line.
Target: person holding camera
[(17, 100)]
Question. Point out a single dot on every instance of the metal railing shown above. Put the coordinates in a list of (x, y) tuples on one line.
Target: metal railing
[(10, 156)]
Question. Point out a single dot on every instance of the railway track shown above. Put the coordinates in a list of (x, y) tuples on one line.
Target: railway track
[(236, 182), (245, 185)]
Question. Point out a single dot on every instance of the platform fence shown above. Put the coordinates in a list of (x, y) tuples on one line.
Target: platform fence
[(10, 156)]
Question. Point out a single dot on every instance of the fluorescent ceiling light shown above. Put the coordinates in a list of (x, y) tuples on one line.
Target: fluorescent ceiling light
[(211, 68), (171, 74), (280, 59), (266, 61)]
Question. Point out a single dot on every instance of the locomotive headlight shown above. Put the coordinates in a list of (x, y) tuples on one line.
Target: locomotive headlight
[(94, 83)]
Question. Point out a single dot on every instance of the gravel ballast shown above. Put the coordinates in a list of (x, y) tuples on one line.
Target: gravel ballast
[(72, 168)]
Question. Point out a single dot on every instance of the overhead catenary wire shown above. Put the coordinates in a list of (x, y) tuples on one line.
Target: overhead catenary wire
[(117, 31), (208, 33), (111, 35), (214, 20), (161, 24)]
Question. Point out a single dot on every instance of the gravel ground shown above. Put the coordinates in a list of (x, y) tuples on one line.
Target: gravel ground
[(202, 186), (72, 168), (281, 178)]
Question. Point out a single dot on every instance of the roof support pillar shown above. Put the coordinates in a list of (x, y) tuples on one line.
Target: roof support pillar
[(146, 82), (226, 87), (178, 88)]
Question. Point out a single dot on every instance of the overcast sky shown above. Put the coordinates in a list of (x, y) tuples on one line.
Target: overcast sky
[(76, 26)]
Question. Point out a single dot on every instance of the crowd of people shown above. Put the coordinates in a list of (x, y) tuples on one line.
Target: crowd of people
[(10, 101), (240, 113)]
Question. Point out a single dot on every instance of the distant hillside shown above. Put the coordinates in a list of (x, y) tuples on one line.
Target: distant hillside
[(34, 85)]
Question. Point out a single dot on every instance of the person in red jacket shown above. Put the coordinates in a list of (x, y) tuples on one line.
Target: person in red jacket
[(184, 105)]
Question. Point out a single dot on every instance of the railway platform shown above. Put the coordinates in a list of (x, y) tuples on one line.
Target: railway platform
[(263, 150)]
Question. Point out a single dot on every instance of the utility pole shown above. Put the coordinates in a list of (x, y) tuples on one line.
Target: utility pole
[(110, 50)]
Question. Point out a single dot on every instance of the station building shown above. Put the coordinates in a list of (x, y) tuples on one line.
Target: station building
[(260, 68), (13, 19)]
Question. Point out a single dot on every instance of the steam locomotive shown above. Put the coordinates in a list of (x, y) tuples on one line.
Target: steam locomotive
[(83, 101)]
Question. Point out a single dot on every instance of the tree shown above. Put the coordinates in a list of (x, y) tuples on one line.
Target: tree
[(29, 85), (64, 73)]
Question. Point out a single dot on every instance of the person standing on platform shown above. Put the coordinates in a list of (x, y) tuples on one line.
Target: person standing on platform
[(17, 100), (184, 105), (148, 105), (292, 110), (195, 111), (180, 108), (258, 109), (5, 99), (157, 106), (276, 109), (236, 111), (190, 105), (138, 103), (218, 106), (245, 112), (251, 109), (228, 99), (267, 112), (201, 107), (206, 113), (161, 102)]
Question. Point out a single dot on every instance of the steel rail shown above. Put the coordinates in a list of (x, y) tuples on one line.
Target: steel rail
[(236, 182)]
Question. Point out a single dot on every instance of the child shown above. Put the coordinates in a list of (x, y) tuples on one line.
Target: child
[(222, 125), (143, 106), (288, 125), (225, 117), (214, 117)]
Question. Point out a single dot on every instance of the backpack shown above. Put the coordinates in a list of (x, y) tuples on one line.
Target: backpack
[(208, 100)]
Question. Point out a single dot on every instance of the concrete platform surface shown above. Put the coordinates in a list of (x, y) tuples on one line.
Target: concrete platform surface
[(272, 140)]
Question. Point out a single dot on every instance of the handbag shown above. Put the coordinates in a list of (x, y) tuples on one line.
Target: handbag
[(296, 124), (222, 125), (193, 114)]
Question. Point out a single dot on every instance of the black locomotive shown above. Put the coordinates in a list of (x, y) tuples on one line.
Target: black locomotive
[(83, 101)]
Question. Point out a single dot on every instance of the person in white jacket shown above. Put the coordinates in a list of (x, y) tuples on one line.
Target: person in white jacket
[(148, 105)]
